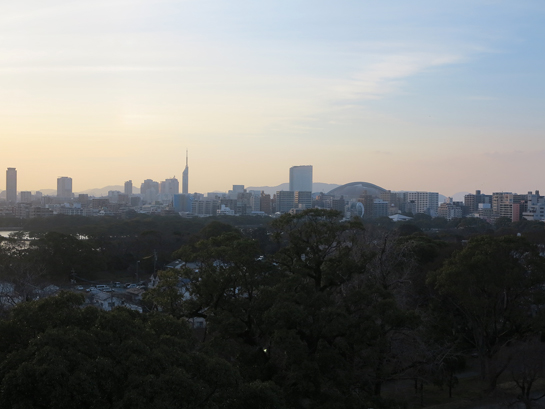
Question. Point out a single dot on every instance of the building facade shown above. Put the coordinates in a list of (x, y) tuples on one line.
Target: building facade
[(285, 200), (424, 202), (64, 187), (26, 197), (149, 190), (303, 200), (128, 188)]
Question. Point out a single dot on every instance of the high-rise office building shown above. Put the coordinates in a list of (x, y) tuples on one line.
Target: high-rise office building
[(11, 185), (303, 199), (185, 176), (301, 178), (285, 201), (64, 187), (265, 203), (128, 188)]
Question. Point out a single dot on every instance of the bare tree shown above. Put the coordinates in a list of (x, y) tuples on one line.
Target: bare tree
[(526, 365)]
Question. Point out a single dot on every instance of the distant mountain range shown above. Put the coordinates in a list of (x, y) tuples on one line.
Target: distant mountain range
[(316, 188), (103, 191), (459, 197)]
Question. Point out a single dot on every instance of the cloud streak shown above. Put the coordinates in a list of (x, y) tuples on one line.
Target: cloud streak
[(386, 75)]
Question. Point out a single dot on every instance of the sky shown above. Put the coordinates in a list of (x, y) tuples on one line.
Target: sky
[(430, 95)]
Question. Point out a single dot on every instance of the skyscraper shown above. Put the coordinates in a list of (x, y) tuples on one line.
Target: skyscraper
[(128, 188), (168, 188), (301, 178), (185, 176), (149, 191), (11, 185), (64, 187)]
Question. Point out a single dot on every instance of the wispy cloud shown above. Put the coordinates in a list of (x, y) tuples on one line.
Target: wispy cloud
[(386, 75)]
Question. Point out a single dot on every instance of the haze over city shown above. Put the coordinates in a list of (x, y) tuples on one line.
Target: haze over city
[(423, 95)]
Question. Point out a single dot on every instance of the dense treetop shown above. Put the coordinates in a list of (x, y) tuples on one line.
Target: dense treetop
[(307, 311)]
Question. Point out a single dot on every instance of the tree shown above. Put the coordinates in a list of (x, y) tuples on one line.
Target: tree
[(318, 246), (53, 353), (336, 306), (60, 254), (487, 292), (526, 364), (321, 318)]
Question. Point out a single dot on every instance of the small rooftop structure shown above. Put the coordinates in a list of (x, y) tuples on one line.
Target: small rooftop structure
[(400, 218)]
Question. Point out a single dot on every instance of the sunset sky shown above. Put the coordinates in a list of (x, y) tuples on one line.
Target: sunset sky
[(433, 95)]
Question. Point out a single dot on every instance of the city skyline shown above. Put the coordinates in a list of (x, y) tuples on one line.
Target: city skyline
[(428, 96), (285, 185)]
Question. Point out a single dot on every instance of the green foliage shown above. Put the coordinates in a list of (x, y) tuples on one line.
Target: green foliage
[(307, 312), (215, 229), (313, 320), (57, 354), (488, 292), (61, 254)]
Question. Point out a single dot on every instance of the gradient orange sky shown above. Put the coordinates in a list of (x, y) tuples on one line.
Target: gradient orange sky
[(438, 96)]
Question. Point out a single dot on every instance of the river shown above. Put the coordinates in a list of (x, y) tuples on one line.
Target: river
[(6, 233)]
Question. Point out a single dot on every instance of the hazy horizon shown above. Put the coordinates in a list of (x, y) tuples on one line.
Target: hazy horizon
[(423, 95)]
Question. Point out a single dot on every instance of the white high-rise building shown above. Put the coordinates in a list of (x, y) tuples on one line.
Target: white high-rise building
[(149, 191), (425, 202), (11, 185), (301, 178)]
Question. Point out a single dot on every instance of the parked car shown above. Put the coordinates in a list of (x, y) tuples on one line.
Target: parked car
[(117, 284), (91, 289), (131, 286), (79, 287)]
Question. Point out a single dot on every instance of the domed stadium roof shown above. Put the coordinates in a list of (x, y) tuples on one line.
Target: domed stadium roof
[(355, 189)]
